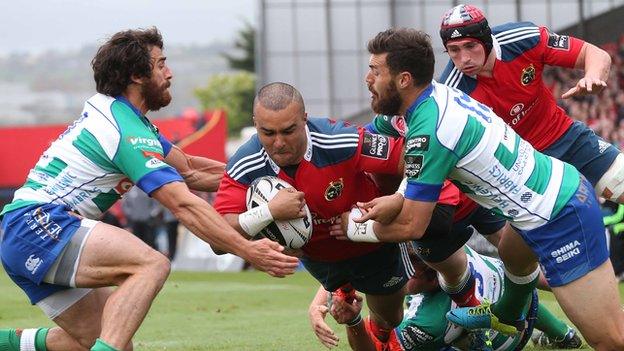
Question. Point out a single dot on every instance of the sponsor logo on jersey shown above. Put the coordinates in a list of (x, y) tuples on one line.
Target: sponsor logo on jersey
[(123, 186), (567, 251), (154, 163), (153, 154), (32, 263), (318, 220), (413, 165), (517, 108), (419, 142), (414, 336), (560, 42), (144, 141), (334, 190), (528, 75), (376, 146)]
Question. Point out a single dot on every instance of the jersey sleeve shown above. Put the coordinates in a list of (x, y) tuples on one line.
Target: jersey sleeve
[(165, 143), (382, 124), (427, 161), (140, 155), (378, 153), (559, 50), (231, 196)]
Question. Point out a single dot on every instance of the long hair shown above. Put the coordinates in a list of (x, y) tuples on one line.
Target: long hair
[(124, 55)]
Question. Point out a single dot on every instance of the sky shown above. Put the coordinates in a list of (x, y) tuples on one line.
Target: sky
[(36, 26)]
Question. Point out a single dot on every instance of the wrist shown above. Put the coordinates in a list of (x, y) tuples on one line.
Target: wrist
[(361, 232), (355, 321), (254, 220)]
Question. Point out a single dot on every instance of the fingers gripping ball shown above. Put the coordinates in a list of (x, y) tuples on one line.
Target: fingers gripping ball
[(293, 233)]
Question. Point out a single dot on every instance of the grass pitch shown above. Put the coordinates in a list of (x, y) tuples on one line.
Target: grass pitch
[(216, 311)]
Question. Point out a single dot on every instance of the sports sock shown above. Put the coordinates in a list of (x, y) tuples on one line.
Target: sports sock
[(380, 333), (463, 294), (516, 296), (554, 327), (9, 339), (23, 339), (102, 346)]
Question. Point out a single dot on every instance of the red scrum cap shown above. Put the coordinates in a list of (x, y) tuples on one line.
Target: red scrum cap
[(466, 21)]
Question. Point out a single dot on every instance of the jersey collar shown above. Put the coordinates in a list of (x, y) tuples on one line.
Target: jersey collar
[(423, 95), (496, 47), (127, 102)]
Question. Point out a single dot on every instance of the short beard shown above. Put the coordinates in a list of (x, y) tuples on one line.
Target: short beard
[(391, 104), (155, 97)]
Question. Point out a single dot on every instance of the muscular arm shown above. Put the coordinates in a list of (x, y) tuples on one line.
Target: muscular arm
[(199, 173), (594, 61), (202, 220), (410, 224), (597, 64)]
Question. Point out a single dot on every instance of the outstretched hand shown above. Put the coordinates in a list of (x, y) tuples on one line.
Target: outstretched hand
[(323, 332), (344, 312), (267, 256), (382, 209), (585, 86)]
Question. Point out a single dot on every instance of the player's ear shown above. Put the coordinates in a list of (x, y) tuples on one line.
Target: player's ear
[(305, 116), (405, 80)]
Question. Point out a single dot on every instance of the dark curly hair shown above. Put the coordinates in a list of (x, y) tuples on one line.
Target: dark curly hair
[(409, 50), (124, 55)]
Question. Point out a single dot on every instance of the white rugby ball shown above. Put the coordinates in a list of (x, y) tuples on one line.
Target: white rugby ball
[(293, 233)]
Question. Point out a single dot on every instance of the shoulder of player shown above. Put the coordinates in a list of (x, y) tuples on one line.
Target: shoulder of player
[(453, 77), (249, 162), (332, 141), (516, 38)]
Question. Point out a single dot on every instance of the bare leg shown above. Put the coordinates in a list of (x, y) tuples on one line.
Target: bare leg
[(386, 310), (592, 303), (112, 256), (451, 268)]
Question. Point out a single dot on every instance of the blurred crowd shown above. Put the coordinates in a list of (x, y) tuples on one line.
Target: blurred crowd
[(604, 113)]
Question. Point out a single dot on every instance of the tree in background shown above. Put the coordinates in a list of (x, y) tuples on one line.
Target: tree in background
[(246, 43), (234, 92)]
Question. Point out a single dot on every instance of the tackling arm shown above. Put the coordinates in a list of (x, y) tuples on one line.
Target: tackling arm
[(199, 173), (202, 220)]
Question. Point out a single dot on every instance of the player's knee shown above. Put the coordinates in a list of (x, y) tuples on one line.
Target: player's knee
[(611, 184), (614, 340), (158, 267)]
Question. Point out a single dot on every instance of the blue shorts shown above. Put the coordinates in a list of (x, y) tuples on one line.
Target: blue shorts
[(583, 149), (380, 272), (573, 243), (33, 237)]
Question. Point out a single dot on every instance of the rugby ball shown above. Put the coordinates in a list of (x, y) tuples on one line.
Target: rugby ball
[(293, 233)]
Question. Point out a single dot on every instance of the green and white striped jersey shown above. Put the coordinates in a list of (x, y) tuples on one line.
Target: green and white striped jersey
[(425, 326), (450, 135), (97, 159)]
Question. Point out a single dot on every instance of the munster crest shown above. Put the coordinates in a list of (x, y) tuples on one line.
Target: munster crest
[(528, 75), (334, 190)]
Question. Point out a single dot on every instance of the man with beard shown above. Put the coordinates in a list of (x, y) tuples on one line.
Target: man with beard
[(551, 207), (65, 260), (327, 161)]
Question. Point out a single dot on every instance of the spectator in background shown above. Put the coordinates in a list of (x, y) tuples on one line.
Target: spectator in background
[(141, 212)]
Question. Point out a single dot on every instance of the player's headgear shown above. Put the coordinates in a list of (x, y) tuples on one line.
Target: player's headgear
[(466, 21)]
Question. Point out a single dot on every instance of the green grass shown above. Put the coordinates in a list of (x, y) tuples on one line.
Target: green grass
[(215, 311)]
